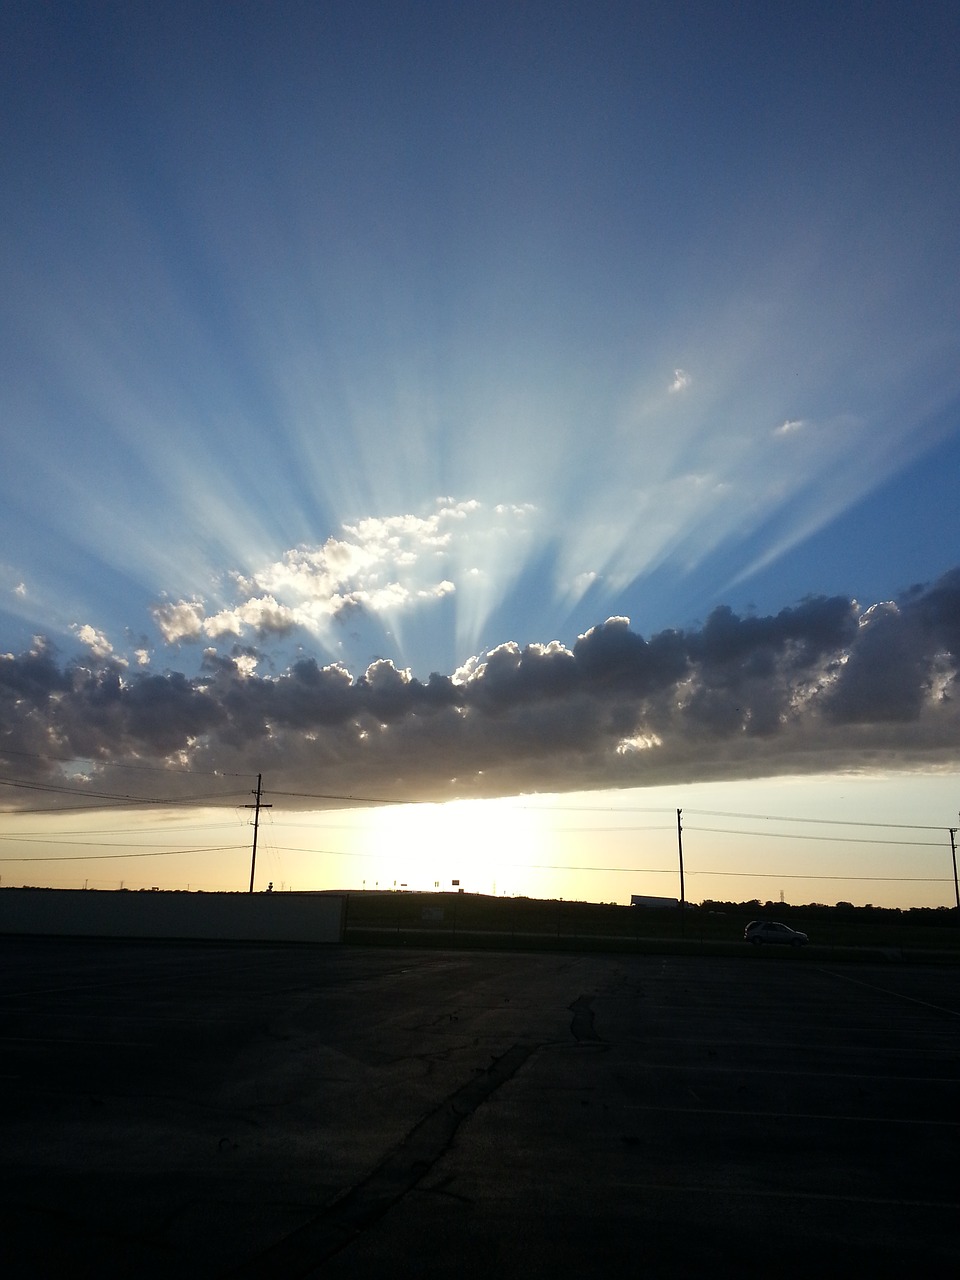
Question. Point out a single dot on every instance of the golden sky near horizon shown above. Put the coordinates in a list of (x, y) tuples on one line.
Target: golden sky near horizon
[(881, 839)]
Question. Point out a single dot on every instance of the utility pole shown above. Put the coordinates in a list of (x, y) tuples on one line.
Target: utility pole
[(256, 822), (953, 851), (680, 851)]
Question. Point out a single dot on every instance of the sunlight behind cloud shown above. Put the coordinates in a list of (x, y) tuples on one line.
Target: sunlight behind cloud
[(486, 845), (706, 468), (384, 567), (263, 340), (296, 480)]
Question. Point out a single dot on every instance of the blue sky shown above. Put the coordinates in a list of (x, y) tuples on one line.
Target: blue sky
[(395, 334)]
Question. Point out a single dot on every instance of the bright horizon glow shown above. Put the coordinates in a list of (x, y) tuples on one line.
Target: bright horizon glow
[(873, 839)]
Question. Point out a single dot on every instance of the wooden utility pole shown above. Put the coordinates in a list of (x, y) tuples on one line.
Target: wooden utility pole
[(956, 886), (256, 823), (680, 852)]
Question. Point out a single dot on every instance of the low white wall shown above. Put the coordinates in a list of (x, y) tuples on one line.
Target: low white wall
[(234, 917)]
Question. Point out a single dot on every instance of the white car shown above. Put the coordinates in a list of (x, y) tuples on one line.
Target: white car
[(758, 931)]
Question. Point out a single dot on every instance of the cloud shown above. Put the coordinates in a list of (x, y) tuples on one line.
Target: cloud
[(95, 641), (681, 380), (790, 426), (823, 684), (383, 566), (181, 621)]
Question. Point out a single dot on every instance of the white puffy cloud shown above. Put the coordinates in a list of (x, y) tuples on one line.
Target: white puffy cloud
[(180, 621), (94, 640), (383, 565)]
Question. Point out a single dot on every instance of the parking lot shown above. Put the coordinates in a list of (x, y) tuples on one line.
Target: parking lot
[(255, 1110)]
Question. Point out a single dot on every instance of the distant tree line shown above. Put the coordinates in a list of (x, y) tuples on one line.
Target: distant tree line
[(840, 911)]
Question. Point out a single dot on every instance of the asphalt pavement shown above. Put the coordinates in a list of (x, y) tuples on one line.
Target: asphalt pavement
[(185, 1110)]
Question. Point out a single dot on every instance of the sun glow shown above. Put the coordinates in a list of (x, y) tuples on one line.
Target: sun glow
[(483, 844)]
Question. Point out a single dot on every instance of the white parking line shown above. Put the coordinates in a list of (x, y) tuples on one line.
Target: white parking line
[(787, 1115), (953, 1013), (706, 1068), (755, 1193), (114, 1044)]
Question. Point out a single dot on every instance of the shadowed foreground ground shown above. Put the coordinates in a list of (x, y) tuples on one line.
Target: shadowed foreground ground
[(192, 1111)]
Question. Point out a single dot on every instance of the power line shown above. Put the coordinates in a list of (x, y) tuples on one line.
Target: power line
[(325, 853), (100, 858), (309, 795), (56, 811), (523, 866), (714, 813), (72, 843), (593, 808), (779, 875), (126, 800), (50, 788), (602, 831), (121, 799), (639, 871), (791, 835), (110, 831), (834, 822), (116, 764), (722, 813)]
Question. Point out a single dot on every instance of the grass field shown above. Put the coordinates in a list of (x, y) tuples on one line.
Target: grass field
[(463, 919)]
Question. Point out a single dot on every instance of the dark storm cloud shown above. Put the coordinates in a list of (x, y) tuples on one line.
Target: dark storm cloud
[(821, 685)]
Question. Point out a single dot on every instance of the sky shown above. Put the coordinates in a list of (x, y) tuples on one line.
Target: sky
[(498, 426)]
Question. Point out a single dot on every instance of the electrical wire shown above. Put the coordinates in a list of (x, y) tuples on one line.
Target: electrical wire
[(778, 875), (834, 822), (116, 764), (309, 795), (106, 857), (662, 871), (119, 800), (792, 835), (50, 788), (110, 831)]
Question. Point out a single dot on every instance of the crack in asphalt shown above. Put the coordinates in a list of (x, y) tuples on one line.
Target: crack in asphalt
[(303, 1251)]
